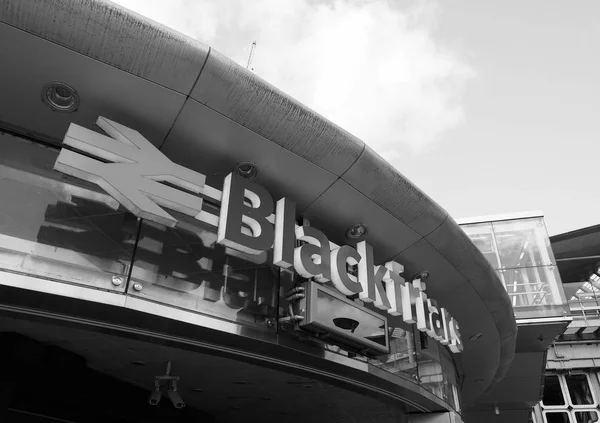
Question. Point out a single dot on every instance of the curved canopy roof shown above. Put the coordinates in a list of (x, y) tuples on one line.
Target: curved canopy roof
[(208, 113)]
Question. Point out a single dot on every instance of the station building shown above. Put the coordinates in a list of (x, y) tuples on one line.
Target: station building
[(181, 241)]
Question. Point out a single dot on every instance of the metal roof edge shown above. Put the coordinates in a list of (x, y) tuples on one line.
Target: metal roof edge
[(500, 217)]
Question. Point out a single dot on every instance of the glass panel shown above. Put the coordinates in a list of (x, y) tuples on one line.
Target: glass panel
[(579, 389), (186, 268), (535, 292), (557, 417), (523, 243), (449, 374), (532, 286), (402, 359), (586, 416), (520, 253), (552, 391), (55, 229), (482, 235), (430, 368)]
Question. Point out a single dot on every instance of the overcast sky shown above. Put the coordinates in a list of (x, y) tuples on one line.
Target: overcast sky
[(488, 106)]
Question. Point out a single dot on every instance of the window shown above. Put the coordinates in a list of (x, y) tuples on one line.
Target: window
[(557, 417), (553, 393), (569, 398), (585, 416), (579, 390)]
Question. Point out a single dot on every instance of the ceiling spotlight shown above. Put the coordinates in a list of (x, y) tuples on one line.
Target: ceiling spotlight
[(156, 395), (356, 231), (168, 383), (476, 336), (60, 97), (246, 170), (174, 396)]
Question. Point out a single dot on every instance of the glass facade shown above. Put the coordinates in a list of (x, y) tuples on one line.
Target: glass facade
[(59, 229), (54, 229), (436, 369), (570, 397), (520, 253)]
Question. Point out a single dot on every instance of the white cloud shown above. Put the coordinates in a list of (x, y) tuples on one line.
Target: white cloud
[(370, 66)]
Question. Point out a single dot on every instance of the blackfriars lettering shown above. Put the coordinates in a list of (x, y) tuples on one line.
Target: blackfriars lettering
[(246, 224)]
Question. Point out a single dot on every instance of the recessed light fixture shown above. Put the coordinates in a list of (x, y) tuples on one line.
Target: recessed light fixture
[(247, 170), (476, 336), (356, 231), (60, 97)]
